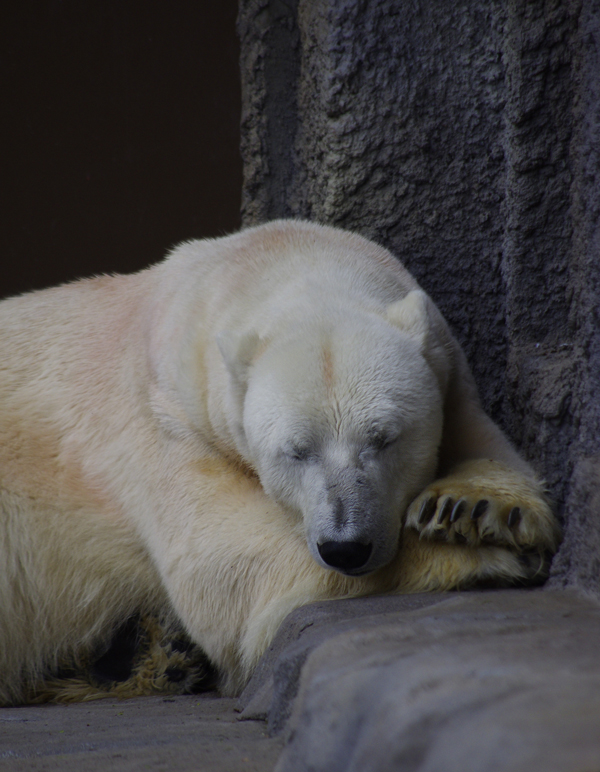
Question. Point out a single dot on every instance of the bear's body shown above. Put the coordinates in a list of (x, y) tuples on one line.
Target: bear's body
[(212, 436)]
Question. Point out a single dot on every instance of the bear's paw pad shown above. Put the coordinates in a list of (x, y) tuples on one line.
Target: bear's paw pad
[(484, 502)]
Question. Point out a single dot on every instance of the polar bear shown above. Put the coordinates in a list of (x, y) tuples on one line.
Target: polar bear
[(259, 421)]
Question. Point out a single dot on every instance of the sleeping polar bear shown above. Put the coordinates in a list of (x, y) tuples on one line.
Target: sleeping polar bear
[(259, 421)]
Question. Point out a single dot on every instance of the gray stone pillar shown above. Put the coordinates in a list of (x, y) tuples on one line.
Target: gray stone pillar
[(464, 137)]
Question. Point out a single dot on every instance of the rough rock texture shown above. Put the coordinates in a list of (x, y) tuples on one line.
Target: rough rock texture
[(463, 136), (469, 682)]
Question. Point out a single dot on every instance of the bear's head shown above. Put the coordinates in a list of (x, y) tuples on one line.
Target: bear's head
[(341, 417)]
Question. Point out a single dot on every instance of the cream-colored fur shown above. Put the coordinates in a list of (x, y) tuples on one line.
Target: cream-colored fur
[(139, 422)]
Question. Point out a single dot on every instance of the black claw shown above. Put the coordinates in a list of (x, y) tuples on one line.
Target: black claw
[(514, 517), (427, 510), (446, 507), (458, 510), (536, 565), (479, 509)]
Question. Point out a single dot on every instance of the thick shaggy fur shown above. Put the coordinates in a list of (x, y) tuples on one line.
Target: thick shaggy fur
[(143, 473)]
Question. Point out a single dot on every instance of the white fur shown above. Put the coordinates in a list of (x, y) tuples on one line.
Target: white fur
[(182, 438)]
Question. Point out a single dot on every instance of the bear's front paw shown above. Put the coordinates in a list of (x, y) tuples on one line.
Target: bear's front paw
[(484, 502)]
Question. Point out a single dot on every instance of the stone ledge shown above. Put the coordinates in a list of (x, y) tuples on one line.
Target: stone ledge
[(496, 680)]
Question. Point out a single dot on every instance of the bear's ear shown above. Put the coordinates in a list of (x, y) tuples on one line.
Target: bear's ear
[(410, 314), (238, 352), (417, 315)]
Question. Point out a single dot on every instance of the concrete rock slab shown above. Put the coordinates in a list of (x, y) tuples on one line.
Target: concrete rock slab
[(477, 682)]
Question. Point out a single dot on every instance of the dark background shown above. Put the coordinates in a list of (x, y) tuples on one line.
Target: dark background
[(120, 134)]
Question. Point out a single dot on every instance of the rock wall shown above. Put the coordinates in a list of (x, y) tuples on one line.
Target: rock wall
[(464, 137)]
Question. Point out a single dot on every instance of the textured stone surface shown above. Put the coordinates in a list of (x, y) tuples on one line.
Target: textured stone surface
[(464, 136), (480, 681)]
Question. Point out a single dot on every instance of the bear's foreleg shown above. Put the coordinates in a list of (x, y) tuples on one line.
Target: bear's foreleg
[(485, 502), (482, 503), (486, 493)]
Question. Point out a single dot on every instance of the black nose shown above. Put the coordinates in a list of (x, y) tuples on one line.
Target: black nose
[(345, 555)]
